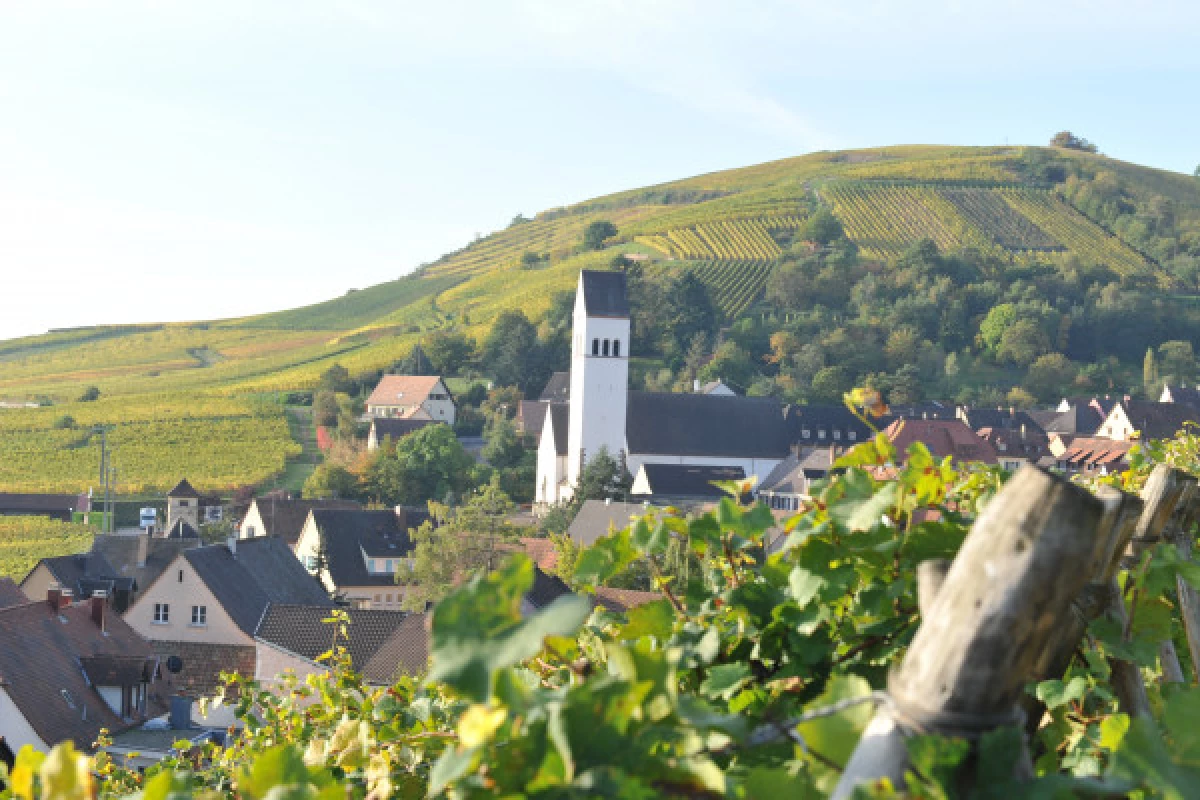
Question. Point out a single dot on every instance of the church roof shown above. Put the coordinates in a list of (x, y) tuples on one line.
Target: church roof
[(706, 425), (604, 293), (558, 388), (684, 480)]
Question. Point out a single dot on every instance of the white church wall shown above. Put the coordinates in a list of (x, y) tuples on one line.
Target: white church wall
[(599, 387), (550, 467)]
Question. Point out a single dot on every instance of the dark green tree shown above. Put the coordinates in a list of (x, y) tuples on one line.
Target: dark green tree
[(330, 481), (595, 234), (512, 352), (502, 446), (336, 378), (448, 351), (822, 228), (90, 394), (427, 465), (325, 408), (1072, 142)]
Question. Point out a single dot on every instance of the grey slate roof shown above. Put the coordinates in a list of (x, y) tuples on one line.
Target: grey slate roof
[(1159, 420), (263, 570), (828, 418), (405, 652), (1184, 395), (706, 425), (17, 503), (285, 518), (531, 416), (604, 294), (546, 589), (183, 489), (595, 518), (182, 529), (348, 534), (685, 480), (1080, 419), (788, 477), (85, 573), (399, 427), (558, 388), (999, 419), (560, 416), (298, 629), (121, 552), (11, 594)]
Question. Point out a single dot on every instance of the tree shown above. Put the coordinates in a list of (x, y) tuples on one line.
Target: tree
[(822, 228), (330, 481), (1072, 142), (997, 321), (595, 234), (1150, 378), (602, 478), (325, 409), (502, 446), (830, 383), (689, 311), (427, 465), (457, 543), (730, 364), (512, 352), (336, 378), (90, 394), (1050, 376), (448, 351), (1022, 343), (1177, 362), (1019, 398)]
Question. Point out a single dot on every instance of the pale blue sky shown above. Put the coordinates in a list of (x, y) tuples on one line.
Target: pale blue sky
[(170, 161)]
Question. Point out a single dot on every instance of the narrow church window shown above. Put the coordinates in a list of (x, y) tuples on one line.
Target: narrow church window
[(616, 347), (595, 347), (606, 347)]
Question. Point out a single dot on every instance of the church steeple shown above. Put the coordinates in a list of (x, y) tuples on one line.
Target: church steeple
[(599, 369)]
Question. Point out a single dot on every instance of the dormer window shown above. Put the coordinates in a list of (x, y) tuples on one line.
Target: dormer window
[(851, 435), (837, 435), (821, 433)]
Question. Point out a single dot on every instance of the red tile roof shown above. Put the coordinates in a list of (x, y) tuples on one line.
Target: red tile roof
[(943, 437), (402, 390), (541, 551)]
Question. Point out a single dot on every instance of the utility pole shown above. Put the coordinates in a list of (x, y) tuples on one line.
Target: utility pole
[(107, 472)]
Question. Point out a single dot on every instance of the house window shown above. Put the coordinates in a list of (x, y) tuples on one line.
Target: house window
[(310, 562), (616, 347), (837, 435), (199, 615), (595, 347), (162, 613), (378, 599), (820, 433), (249, 531), (851, 435), (181, 576), (606, 347), (806, 433)]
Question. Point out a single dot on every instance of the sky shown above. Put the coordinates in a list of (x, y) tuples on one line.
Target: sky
[(168, 161)]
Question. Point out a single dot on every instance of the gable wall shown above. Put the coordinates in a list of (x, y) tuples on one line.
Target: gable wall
[(253, 524), (181, 596), (15, 729), (37, 583)]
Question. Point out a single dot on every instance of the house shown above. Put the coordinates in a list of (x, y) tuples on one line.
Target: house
[(541, 551), (140, 557), (998, 419), (381, 644), (1137, 419), (713, 387), (1016, 446), (813, 426), (83, 574), (394, 428), (943, 437), (186, 504), (788, 485), (70, 670), (557, 389), (682, 484), (356, 554), (284, 517), (643, 427), (205, 607), (1184, 395), (412, 397), (930, 410), (1090, 455), (55, 506), (598, 518)]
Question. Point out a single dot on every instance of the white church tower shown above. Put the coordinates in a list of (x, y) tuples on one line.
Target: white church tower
[(599, 370)]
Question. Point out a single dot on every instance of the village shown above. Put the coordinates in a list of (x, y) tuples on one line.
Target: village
[(129, 636)]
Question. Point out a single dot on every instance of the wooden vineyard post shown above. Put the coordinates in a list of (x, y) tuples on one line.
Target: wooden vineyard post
[(1121, 514), (1189, 599), (1006, 596)]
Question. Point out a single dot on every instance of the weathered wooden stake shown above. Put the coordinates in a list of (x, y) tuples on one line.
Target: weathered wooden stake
[(1007, 594)]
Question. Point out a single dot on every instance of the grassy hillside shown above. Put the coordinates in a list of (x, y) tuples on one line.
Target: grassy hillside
[(167, 386)]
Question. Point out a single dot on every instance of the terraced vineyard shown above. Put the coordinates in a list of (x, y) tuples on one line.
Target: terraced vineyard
[(733, 240), (734, 285), (988, 210), (24, 541)]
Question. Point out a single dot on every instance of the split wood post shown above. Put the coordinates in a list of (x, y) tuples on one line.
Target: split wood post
[(1121, 514), (1189, 599), (1168, 497), (1006, 595)]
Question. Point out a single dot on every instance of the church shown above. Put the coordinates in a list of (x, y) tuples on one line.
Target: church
[(691, 429)]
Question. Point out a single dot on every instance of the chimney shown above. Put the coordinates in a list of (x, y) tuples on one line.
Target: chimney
[(53, 596), (96, 604), (65, 596), (231, 543), (143, 546)]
